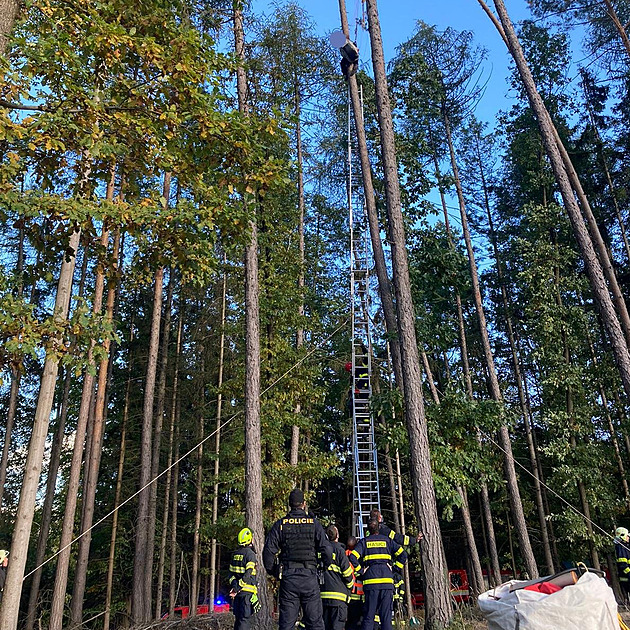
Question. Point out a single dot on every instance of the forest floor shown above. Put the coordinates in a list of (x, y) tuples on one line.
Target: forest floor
[(465, 619)]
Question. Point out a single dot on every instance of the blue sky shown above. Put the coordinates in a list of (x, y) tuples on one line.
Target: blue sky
[(397, 23)]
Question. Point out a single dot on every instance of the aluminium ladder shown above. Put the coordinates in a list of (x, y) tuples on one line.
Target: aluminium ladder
[(366, 484)]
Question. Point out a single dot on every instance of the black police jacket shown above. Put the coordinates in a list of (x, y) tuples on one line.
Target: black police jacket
[(295, 540)]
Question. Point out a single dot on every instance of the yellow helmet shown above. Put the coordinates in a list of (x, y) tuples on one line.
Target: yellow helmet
[(623, 534), (245, 536), (3, 554)]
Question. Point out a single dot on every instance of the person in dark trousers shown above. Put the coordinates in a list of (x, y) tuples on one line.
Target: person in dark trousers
[(243, 581), (622, 552), (296, 540), (375, 557), (4, 562), (401, 539), (338, 582), (355, 605)]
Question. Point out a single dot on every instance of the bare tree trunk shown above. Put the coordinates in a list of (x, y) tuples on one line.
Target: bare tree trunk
[(141, 590), (384, 284), (566, 179), (51, 483), (167, 489), (403, 531), (217, 437), (157, 431), (437, 597), (6, 448), (119, 480), (299, 340), (194, 580), (33, 467), (253, 459), (92, 465), (140, 607), (173, 559), (392, 487), (8, 14), (618, 25), (495, 391)]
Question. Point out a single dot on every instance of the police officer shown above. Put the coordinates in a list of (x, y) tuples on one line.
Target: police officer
[(296, 539), (376, 556), (243, 581), (337, 584)]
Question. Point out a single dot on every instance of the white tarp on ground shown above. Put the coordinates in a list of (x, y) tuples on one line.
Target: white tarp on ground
[(587, 605)]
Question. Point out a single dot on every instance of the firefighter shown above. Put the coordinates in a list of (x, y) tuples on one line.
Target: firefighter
[(622, 552), (337, 584), (402, 539), (375, 557), (355, 605), (296, 539), (243, 581)]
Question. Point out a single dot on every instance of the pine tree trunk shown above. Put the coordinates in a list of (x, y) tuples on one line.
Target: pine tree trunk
[(495, 391), (380, 264), (299, 340), (8, 14), (437, 597), (157, 431), (51, 484), (92, 465), (403, 530), (172, 595), (392, 487), (169, 474), (194, 579), (618, 25), (140, 603), (253, 458), (563, 175), (12, 408), (33, 467), (117, 493), (72, 485), (217, 437)]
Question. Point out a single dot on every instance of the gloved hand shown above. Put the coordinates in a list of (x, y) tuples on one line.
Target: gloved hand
[(255, 602)]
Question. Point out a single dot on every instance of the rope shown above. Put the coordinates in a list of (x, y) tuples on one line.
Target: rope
[(542, 483), (185, 455)]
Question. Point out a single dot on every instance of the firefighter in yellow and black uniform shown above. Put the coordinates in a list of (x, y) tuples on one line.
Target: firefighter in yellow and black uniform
[(375, 558), (243, 581), (337, 584)]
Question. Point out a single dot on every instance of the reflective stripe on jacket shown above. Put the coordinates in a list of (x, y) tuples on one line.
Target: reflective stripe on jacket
[(338, 580), (243, 571), (375, 558)]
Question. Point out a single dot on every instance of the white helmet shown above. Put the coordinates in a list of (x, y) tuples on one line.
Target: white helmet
[(3, 554), (623, 534)]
